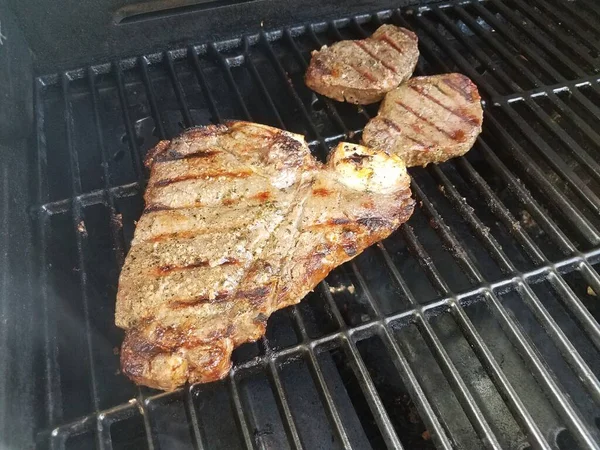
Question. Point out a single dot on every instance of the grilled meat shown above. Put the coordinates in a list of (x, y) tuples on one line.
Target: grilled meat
[(363, 71), (427, 119), (240, 221)]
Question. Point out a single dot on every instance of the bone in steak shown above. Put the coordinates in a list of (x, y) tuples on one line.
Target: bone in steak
[(241, 221), (427, 119), (363, 71)]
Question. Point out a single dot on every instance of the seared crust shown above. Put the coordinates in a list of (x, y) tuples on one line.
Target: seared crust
[(428, 119), (205, 272), (363, 71)]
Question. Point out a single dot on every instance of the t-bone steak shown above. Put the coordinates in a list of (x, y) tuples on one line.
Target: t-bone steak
[(240, 221)]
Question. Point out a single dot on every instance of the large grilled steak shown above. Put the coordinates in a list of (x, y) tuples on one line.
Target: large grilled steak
[(240, 221), (363, 71), (427, 119)]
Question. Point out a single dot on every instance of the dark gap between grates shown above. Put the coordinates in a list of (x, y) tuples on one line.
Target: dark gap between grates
[(473, 372)]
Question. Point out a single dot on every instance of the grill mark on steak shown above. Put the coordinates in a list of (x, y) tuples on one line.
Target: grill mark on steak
[(363, 46), (385, 38), (321, 192), (365, 73), (202, 299), (205, 176), (390, 123), (155, 207), (164, 270), (427, 121), (465, 117), (175, 156), (459, 88), (417, 141)]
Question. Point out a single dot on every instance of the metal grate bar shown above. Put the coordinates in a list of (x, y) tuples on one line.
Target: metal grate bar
[(480, 230), (584, 192), (241, 421), (517, 22), (468, 403), (281, 72), (575, 25), (129, 129), (52, 391), (532, 55), (490, 39), (576, 307), (185, 110), (284, 408), (372, 397), (362, 374), (556, 32), (319, 379), (141, 404), (259, 81), (222, 62), (584, 226), (591, 5), (402, 365), (527, 199), (577, 150), (143, 65), (519, 44), (497, 375), (193, 57), (567, 349), (519, 340), (80, 237), (455, 31), (109, 194), (545, 378), (559, 165), (198, 439), (330, 108), (497, 207)]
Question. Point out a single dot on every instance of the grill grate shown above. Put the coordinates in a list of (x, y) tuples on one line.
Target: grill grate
[(475, 325)]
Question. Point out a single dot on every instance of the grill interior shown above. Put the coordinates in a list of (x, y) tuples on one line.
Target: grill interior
[(473, 326)]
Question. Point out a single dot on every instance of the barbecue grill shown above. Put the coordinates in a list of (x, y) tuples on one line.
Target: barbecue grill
[(473, 326)]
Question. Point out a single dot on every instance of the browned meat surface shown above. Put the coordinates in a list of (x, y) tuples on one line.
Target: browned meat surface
[(427, 119), (240, 221), (363, 71)]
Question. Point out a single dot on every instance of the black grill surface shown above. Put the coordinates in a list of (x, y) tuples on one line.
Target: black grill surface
[(474, 326)]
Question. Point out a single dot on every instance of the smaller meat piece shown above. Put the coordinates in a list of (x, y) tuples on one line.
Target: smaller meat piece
[(362, 72), (428, 119)]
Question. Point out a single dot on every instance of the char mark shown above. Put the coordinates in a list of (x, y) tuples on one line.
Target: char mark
[(390, 123), (385, 38), (427, 121), (173, 155), (207, 175), (465, 117), (200, 300), (364, 48), (460, 88), (374, 223), (169, 268), (365, 73), (155, 207)]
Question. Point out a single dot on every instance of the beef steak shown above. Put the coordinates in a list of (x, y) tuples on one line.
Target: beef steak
[(240, 221), (427, 119), (363, 71)]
